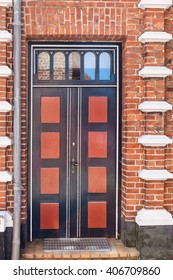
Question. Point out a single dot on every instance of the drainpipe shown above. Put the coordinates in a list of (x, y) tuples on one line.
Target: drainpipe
[(17, 131)]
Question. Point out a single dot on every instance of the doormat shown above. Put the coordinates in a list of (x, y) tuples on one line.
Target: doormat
[(76, 244)]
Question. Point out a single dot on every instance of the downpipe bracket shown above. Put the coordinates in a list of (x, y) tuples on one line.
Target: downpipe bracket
[(17, 187)]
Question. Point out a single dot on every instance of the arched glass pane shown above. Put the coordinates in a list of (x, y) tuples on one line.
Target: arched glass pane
[(43, 66), (104, 66), (74, 66), (89, 66), (59, 66)]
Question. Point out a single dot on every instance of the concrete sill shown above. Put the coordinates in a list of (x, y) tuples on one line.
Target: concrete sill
[(154, 140), (5, 141), (5, 176), (6, 3), (5, 36), (161, 37), (155, 175), (155, 4), (154, 106), (5, 71), (155, 72)]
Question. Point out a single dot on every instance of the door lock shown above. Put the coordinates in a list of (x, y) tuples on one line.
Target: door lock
[(74, 164)]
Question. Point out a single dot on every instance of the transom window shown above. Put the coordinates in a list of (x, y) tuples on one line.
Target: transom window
[(81, 66)]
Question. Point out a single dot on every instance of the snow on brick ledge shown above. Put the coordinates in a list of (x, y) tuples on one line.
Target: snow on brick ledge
[(155, 72), (5, 3), (154, 140), (5, 71), (154, 106), (5, 36), (161, 37), (5, 176), (5, 107), (154, 217), (5, 141), (155, 175), (155, 4)]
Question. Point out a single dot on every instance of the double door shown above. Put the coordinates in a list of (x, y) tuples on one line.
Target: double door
[(73, 162)]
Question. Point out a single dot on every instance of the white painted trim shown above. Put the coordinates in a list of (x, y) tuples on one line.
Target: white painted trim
[(5, 71), (155, 175), (6, 220), (161, 37), (154, 140), (5, 36), (6, 3), (5, 176), (5, 107), (9, 219), (155, 4), (154, 106), (2, 221), (155, 72), (5, 141), (155, 217)]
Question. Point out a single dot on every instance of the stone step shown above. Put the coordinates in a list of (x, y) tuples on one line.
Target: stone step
[(34, 251)]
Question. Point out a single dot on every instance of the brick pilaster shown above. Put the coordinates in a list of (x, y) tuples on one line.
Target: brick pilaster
[(4, 73), (154, 55)]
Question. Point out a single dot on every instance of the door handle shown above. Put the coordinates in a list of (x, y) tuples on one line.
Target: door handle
[(75, 163)]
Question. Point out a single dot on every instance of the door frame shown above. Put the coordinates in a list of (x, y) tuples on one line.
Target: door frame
[(31, 62)]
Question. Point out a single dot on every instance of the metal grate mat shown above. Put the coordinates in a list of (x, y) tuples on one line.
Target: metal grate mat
[(76, 244)]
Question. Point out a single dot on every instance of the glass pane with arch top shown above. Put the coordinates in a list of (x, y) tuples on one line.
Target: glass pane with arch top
[(74, 66), (89, 66), (43, 66), (59, 66), (104, 66)]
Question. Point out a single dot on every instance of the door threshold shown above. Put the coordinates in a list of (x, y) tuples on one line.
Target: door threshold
[(35, 251)]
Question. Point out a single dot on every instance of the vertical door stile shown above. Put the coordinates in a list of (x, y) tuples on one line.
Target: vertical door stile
[(78, 167), (69, 161), (117, 148), (31, 147), (79, 160), (68, 167)]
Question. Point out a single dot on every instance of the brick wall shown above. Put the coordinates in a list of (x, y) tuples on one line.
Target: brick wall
[(9, 116), (3, 123), (108, 21), (168, 194)]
